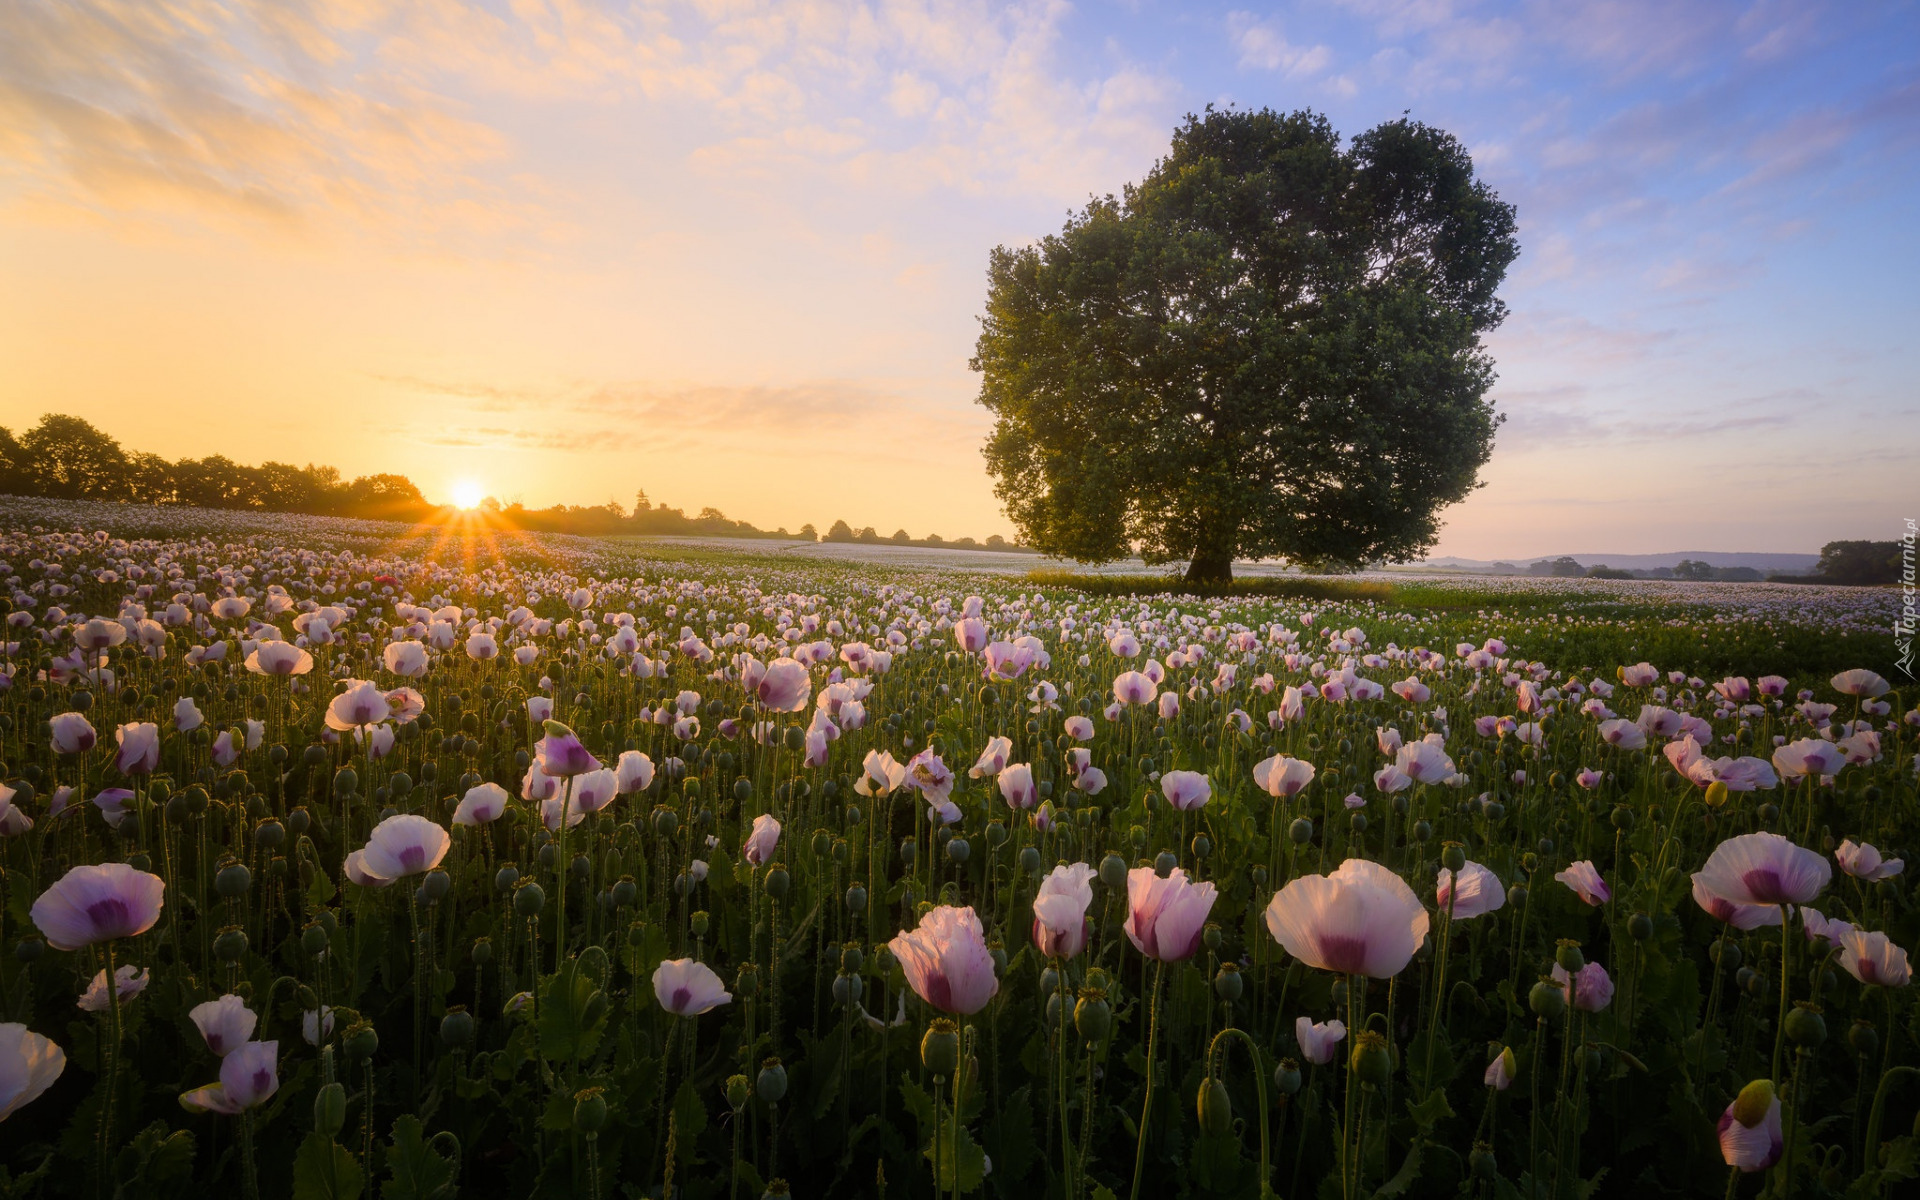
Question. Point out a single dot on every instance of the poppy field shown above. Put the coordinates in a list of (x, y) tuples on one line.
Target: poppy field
[(344, 859)]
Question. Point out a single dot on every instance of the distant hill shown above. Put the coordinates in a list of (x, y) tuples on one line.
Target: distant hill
[(1759, 561)]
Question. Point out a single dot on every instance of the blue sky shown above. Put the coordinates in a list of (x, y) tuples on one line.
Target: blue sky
[(734, 252)]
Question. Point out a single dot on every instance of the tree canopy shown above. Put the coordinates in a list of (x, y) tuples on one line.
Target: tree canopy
[(1269, 347)]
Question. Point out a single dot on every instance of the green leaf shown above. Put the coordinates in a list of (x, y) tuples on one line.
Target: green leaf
[(323, 1170), (689, 1122), (419, 1171), (1431, 1111), (963, 1164), (1404, 1177), (572, 1013)]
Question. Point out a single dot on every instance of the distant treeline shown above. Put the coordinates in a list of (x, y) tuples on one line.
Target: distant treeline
[(69, 458), (1852, 563)]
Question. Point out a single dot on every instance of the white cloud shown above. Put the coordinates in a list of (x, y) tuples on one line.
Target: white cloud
[(1262, 46)]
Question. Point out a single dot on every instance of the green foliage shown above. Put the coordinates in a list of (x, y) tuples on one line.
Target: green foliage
[(1270, 346), (323, 1170)]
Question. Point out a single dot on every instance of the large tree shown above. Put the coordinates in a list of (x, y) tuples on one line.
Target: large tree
[(1269, 347)]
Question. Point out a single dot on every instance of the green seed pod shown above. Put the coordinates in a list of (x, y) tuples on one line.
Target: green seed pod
[(847, 990), (360, 1041), (1113, 871), (856, 899), (771, 1086), (1806, 1026), (909, 850), (529, 899), (230, 944), (232, 881), (852, 958), (1164, 863), (996, 834), (743, 792), (1372, 1062), (482, 951), (1030, 860), (1092, 1016), (625, 891), (1215, 1108), (1228, 982), (306, 997), (1569, 957), (1301, 831), (777, 881), (269, 834), (1423, 831), (1286, 1077), (1863, 1039), (738, 1092), (795, 738), (506, 877), (330, 1110), (957, 850), (457, 1028), (1640, 926), (435, 885), (1547, 999), (746, 982), (346, 782), (1482, 1162), (699, 923), (1202, 847), (1453, 856), (29, 950), (589, 1112), (1357, 822), (666, 822), (940, 1048)]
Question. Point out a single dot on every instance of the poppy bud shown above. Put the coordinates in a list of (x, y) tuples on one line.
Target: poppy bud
[(746, 982), (738, 1091), (313, 939), (361, 1042), (1751, 1105), (330, 1110), (1215, 1108)]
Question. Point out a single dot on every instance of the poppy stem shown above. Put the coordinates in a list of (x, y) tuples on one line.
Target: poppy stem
[(1146, 1107), (1786, 988)]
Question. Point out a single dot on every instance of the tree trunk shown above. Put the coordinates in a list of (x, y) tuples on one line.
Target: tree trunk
[(1213, 566)]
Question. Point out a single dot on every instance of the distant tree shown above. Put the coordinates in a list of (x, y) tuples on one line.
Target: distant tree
[(967, 542), (385, 498), (839, 531), (150, 480), (867, 535), (1542, 568), (996, 542), (1567, 568), (14, 479), (640, 502), (1603, 571), (1736, 574), (1504, 568), (1689, 568), (934, 539), (1862, 563), (808, 533), (901, 537), (69, 458), (1271, 346)]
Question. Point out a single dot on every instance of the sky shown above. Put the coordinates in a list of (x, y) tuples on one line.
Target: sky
[(734, 253)]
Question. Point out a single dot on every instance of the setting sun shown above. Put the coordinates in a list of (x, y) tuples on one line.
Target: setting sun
[(468, 494)]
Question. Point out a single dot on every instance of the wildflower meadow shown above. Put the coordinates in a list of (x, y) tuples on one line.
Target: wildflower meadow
[(346, 859)]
